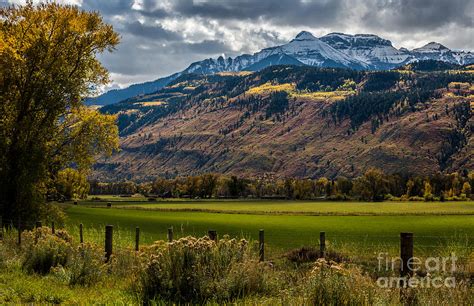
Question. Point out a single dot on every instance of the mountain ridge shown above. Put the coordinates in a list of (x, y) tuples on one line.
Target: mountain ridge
[(358, 51)]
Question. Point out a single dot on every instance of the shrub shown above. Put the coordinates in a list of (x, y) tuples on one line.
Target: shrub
[(416, 199), (304, 254), (192, 270), (245, 279), (124, 262), (310, 254), (43, 250), (87, 265), (334, 284), (52, 213), (3, 256), (339, 197)]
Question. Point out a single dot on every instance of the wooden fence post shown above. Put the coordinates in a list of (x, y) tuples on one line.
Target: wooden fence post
[(19, 232), (170, 234), (109, 229), (38, 224), (81, 236), (212, 235), (137, 238), (322, 244), (406, 271), (406, 253), (52, 228), (261, 245)]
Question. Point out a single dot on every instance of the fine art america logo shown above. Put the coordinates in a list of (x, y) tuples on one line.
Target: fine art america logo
[(430, 269)]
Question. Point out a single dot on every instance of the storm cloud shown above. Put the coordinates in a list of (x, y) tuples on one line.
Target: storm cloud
[(160, 37)]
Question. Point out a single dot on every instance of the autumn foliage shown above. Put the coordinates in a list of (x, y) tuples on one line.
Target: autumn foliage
[(48, 65)]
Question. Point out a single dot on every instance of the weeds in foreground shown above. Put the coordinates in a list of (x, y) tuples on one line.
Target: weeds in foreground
[(199, 270), (43, 250), (53, 268)]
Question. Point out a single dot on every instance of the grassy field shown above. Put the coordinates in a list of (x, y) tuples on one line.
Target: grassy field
[(357, 225), (297, 207), (356, 233)]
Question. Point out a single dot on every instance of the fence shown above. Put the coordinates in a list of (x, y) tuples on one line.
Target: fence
[(406, 240)]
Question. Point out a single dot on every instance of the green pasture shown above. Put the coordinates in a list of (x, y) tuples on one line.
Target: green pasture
[(432, 229), (296, 207)]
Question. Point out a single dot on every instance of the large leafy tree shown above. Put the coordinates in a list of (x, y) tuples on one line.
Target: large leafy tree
[(372, 186), (48, 63)]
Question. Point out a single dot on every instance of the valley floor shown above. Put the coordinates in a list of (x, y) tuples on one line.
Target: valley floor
[(287, 224)]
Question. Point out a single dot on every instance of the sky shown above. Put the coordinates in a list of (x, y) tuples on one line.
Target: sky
[(160, 37)]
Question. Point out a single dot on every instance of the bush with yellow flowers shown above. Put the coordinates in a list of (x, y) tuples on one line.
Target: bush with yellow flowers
[(196, 270), (331, 283), (43, 250)]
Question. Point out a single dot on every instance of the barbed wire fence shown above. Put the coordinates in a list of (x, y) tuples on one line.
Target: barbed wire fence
[(132, 235)]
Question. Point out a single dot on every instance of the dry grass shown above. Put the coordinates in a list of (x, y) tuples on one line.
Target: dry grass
[(459, 85), (290, 88), (269, 88), (234, 73), (322, 95), (151, 103), (198, 270)]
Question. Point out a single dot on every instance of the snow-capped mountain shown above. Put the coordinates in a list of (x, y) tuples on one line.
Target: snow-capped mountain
[(272, 60), (304, 48), (360, 51), (314, 52), (374, 51), (437, 51)]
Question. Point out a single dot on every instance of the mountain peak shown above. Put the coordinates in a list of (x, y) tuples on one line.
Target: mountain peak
[(305, 35), (342, 40), (432, 46)]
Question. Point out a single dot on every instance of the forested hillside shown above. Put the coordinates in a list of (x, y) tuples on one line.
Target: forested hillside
[(299, 121)]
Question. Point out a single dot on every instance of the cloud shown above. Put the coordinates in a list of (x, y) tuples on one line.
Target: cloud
[(155, 32), (108, 7), (204, 47), (160, 37), (287, 12), (406, 15)]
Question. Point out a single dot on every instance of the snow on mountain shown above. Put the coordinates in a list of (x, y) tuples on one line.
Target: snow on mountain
[(436, 51), (360, 51), (304, 48), (272, 60), (312, 51), (376, 52), (463, 57), (432, 47)]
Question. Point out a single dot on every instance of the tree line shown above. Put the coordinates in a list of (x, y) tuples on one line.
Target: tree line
[(373, 185)]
